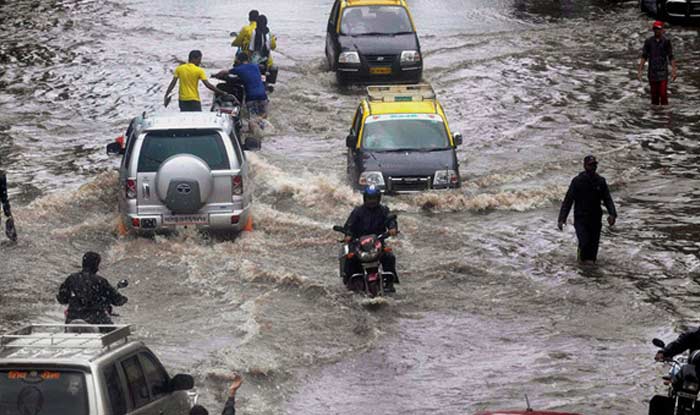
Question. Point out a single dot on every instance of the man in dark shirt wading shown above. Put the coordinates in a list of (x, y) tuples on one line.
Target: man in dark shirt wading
[(658, 51), (586, 192)]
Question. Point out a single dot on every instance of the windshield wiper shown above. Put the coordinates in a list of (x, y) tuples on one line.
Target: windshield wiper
[(397, 150), (400, 33), (373, 34)]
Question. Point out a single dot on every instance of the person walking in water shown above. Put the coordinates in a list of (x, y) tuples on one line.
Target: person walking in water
[(586, 193), (5, 201), (659, 52), (189, 74)]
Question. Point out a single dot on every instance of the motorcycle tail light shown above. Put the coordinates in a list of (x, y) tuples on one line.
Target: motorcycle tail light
[(351, 255), (387, 249)]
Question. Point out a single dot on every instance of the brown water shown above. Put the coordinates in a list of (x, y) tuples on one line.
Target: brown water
[(492, 304)]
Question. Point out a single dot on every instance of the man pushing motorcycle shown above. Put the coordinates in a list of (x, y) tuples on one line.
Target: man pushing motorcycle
[(371, 218)]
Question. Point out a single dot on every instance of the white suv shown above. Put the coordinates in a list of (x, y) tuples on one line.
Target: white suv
[(186, 169), (45, 370)]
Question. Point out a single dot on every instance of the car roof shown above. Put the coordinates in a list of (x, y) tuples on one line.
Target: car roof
[(186, 120), (351, 3), (402, 99), (50, 344)]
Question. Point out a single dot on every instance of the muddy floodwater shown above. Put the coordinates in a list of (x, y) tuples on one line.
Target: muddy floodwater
[(492, 304)]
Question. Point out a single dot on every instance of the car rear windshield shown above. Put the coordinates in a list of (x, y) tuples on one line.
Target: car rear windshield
[(158, 146), (378, 20), (43, 392), (405, 132)]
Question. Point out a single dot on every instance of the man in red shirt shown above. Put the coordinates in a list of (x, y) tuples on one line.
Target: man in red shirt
[(658, 51)]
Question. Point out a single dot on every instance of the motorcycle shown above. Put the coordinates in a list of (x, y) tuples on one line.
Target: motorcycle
[(82, 326), (683, 386), (368, 250), (232, 104)]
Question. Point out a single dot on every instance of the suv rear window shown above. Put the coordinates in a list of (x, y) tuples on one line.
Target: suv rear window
[(158, 146), (39, 391)]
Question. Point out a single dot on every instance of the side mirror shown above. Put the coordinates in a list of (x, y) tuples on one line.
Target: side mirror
[(391, 217), (114, 149), (338, 228), (123, 284), (658, 343), (351, 141), (181, 383), (458, 139)]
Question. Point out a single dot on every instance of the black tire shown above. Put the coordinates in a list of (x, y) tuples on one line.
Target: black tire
[(341, 79), (661, 405)]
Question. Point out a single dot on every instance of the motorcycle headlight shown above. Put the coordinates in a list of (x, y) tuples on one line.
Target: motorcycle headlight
[(410, 56), (445, 178), (369, 178), (371, 255), (349, 57)]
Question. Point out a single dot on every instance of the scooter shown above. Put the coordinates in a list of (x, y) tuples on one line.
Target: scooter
[(683, 386), (368, 250)]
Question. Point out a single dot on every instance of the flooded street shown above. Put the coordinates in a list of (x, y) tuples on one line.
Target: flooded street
[(492, 304)]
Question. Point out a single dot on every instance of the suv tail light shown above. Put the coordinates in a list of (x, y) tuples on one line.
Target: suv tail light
[(237, 185), (130, 189)]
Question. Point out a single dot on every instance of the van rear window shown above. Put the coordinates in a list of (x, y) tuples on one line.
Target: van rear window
[(43, 392), (158, 146)]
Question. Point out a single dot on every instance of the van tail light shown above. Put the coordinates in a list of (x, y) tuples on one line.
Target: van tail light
[(136, 222), (130, 189), (237, 185)]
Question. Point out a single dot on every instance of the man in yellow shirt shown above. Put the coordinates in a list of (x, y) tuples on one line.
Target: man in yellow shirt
[(242, 40), (189, 74)]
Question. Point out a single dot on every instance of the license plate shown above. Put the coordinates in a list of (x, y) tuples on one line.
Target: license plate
[(380, 70), (186, 220)]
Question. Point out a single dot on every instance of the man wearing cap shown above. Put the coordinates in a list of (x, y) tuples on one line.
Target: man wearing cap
[(658, 51), (586, 192)]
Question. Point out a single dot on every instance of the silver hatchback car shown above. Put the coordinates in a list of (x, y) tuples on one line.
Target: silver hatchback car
[(45, 370), (186, 169)]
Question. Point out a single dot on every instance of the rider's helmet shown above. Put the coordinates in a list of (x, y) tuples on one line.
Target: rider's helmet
[(371, 196), (91, 262)]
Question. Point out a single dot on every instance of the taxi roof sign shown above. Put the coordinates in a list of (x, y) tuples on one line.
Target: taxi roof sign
[(401, 93)]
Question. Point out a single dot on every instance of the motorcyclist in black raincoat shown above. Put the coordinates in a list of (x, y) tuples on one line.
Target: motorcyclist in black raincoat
[(690, 340), (586, 193), (371, 218), (89, 296), (5, 201)]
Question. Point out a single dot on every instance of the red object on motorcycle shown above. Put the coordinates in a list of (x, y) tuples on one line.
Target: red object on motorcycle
[(366, 241), (373, 276), (351, 255), (388, 249)]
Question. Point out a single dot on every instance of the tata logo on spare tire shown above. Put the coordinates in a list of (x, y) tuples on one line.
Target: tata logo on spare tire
[(184, 188)]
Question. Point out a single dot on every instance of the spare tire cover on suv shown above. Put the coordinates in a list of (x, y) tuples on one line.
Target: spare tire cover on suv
[(184, 183)]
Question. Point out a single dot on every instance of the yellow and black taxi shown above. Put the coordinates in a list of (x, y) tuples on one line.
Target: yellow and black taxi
[(373, 41), (400, 141)]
